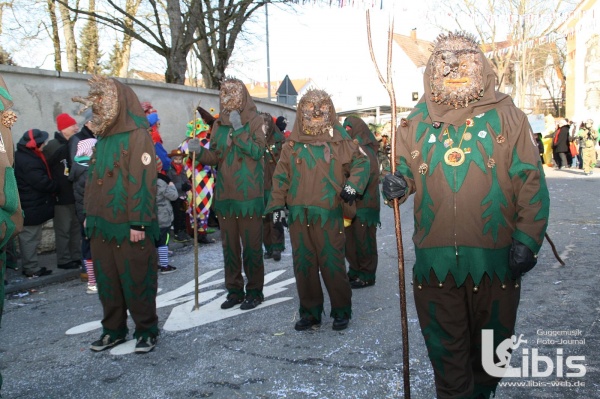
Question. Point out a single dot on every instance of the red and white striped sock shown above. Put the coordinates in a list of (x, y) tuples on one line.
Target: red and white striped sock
[(89, 266)]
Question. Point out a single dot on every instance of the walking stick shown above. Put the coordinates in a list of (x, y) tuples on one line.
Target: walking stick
[(195, 224), (389, 85)]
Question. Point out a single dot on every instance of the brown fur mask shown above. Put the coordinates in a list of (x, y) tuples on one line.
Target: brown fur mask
[(232, 95), (456, 70), (104, 100), (316, 112)]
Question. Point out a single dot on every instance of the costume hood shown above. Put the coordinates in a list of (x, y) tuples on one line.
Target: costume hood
[(361, 132)]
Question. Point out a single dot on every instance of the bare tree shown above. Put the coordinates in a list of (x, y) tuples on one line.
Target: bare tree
[(54, 35), (524, 24), (69, 33), (171, 28), (89, 48)]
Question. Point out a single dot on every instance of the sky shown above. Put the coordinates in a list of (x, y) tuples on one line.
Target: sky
[(326, 44)]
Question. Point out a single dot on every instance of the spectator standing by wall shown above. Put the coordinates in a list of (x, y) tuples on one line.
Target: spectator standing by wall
[(37, 192), (67, 231)]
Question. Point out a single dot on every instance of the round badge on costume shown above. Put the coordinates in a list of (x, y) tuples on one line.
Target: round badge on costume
[(146, 159), (454, 157)]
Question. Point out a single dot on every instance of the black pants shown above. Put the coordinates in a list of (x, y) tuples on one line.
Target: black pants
[(179, 215)]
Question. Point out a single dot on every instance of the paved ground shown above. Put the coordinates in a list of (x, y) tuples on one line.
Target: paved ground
[(49, 323)]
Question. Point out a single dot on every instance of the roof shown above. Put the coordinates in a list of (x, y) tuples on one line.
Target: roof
[(154, 77), (259, 89), (417, 50)]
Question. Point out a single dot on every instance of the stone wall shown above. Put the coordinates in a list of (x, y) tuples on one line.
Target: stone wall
[(40, 95)]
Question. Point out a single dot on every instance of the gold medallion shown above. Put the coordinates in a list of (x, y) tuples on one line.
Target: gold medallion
[(467, 136), (454, 157)]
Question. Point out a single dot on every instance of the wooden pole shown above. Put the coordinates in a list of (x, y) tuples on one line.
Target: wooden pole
[(389, 85), (195, 217)]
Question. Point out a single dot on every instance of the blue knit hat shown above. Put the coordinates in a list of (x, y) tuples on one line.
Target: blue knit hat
[(153, 119)]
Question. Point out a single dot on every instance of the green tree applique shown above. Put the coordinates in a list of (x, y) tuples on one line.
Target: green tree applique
[(244, 179), (435, 336), (420, 108), (128, 283), (303, 257), (119, 194), (496, 200), (229, 256), (145, 205), (334, 258), (106, 291), (252, 257), (329, 190), (149, 284)]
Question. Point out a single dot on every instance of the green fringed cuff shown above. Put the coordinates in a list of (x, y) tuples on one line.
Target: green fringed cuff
[(114, 334), (527, 240), (314, 312), (234, 292), (341, 313), (151, 332), (255, 293), (366, 277)]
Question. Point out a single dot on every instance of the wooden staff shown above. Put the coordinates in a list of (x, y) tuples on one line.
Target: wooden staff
[(195, 217), (389, 85)]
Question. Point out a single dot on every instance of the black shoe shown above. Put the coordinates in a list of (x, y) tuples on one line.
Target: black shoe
[(276, 256), (42, 272), (306, 323), (203, 239), (250, 303), (358, 283), (71, 265), (231, 302), (106, 342), (268, 255), (340, 324), (145, 345)]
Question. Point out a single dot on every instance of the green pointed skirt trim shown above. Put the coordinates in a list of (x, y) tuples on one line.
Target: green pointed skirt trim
[(99, 227), (312, 214), (368, 216), (230, 207), (470, 261)]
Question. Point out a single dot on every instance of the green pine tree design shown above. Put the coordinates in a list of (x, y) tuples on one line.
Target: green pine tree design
[(119, 194), (140, 121), (106, 291), (252, 257), (149, 284), (244, 179), (434, 339), (228, 255), (128, 283), (329, 190), (334, 258), (303, 257), (145, 204), (497, 201)]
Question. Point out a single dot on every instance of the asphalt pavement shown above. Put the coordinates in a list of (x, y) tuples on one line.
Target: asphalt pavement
[(206, 352)]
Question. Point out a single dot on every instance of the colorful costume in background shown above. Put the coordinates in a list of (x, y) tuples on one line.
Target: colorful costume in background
[(480, 211), (120, 199), (361, 235), (239, 201), (273, 233), (317, 163), (202, 178), (11, 215), (588, 138)]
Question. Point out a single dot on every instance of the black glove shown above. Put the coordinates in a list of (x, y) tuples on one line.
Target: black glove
[(348, 194), (279, 218), (185, 187), (394, 186), (521, 259), (235, 119), (195, 146)]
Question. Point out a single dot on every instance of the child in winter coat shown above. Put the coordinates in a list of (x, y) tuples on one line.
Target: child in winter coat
[(178, 176), (165, 193), (78, 175)]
